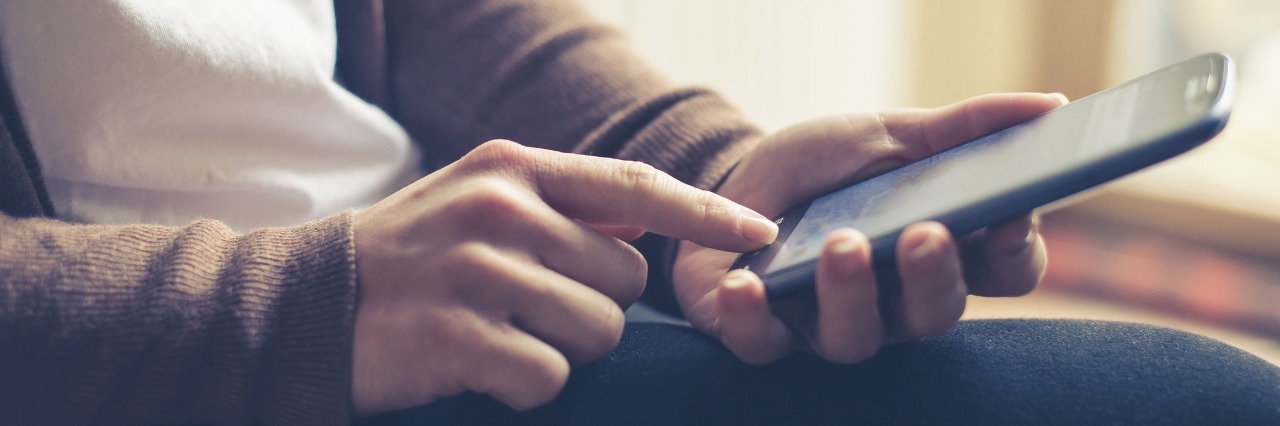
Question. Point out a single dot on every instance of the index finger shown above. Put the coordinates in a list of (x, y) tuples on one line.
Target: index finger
[(627, 193)]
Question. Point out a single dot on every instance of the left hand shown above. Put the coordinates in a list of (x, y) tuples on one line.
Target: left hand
[(937, 270)]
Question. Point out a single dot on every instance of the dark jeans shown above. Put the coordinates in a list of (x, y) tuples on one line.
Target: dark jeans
[(983, 372)]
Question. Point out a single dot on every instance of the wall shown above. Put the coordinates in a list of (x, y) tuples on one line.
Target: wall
[(781, 61), (971, 47)]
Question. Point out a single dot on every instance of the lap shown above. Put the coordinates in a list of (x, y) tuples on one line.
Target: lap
[(988, 372)]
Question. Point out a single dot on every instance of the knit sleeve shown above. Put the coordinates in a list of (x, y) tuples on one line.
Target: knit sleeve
[(545, 73), (147, 324)]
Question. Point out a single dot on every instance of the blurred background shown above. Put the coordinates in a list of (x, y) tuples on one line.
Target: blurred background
[(1192, 244)]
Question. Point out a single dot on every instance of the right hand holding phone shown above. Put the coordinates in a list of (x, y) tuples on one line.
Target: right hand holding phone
[(938, 270)]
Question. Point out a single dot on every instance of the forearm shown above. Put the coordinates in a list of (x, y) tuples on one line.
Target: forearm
[(545, 73), (145, 324)]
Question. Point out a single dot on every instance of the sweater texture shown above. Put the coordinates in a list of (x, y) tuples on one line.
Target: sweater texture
[(198, 323)]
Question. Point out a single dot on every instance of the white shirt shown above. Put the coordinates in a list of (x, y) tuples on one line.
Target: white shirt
[(163, 111)]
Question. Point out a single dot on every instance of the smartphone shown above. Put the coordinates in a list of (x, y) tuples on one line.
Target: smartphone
[(1007, 173)]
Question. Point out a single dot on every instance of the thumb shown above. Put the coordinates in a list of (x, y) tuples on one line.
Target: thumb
[(940, 128)]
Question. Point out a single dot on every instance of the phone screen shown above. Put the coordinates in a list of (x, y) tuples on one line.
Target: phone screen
[(1039, 149)]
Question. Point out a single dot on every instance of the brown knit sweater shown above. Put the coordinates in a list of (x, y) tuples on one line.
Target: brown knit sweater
[(145, 324)]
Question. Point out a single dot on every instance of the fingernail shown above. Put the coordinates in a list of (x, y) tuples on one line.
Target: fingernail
[(735, 298), (735, 282), (845, 247), (1060, 97), (844, 250), (757, 229), (928, 246)]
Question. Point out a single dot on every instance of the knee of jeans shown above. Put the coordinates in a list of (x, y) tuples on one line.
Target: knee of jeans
[(1130, 371)]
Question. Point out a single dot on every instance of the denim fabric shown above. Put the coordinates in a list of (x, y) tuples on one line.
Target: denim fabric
[(1016, 371)]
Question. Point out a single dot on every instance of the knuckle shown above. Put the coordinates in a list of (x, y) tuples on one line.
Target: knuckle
[(527, 293), (712, 212), (466, 255), (470, 263), (497, 154), (606, 333), (634, 283), (549, 378), (643, 177), (494, 200)]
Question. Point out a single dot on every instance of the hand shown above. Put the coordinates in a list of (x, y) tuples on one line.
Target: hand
[(937, 270), (497, 272)]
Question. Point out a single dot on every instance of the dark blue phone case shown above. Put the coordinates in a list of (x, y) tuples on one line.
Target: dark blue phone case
[(979, 213)]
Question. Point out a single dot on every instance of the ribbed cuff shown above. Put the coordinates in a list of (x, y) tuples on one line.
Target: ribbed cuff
[(306, 370)]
